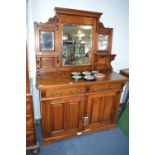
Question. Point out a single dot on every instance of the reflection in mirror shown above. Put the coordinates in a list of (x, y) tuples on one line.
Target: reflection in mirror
[(102, 42), (47, 41), (77, 43)]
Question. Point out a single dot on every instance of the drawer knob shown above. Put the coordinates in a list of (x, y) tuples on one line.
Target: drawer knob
[(56, 94), (75, 92), (85, 120)]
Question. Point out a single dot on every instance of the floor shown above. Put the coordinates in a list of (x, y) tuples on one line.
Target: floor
[(107, 142)]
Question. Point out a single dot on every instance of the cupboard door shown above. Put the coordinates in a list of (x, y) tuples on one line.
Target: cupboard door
[(102, 109), (62, 116)]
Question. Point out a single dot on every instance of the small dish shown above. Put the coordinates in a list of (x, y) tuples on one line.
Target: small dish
[(94, 72), (86, 73), (76, 77), (89, 78), (99, 75), (75, 73)]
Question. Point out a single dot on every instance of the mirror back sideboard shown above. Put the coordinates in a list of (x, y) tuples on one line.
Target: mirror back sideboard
[(73, 40)]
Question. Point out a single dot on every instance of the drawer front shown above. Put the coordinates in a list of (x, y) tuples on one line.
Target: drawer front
[(105, 87), (115, 86), (64, 92)]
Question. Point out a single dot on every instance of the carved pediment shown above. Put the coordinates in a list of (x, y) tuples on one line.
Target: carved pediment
[(100, 25), (77, 35)]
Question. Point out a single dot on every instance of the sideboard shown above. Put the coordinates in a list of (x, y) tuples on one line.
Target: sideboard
[(75, 41)]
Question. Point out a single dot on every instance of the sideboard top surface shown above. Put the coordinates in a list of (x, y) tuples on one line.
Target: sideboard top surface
[(51, 80)]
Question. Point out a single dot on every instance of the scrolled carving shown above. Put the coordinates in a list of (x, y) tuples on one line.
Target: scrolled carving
[(50, 21), (103, 62), (101, 25)]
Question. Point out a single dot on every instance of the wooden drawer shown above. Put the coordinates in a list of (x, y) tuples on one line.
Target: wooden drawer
[(104, 87), (115, 86), (64, 92)]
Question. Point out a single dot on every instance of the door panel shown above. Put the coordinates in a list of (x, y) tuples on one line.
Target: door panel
[(57, 116), (108, 103), (62, 116), (99, 109), (96, 103), (73, 113)]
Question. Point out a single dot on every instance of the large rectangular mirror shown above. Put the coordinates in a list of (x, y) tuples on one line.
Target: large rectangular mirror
[(77, 44)]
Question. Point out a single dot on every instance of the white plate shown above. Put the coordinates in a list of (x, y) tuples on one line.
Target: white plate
[(76, 77), (99, 75), (75, 73), (86, 73), (89, 77), (94, 72)]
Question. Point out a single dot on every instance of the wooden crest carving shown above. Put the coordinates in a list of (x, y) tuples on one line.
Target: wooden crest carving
[(103, 62)]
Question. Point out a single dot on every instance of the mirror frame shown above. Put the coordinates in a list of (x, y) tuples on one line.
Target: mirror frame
[(46, 27), (80, 20), (109, 32)]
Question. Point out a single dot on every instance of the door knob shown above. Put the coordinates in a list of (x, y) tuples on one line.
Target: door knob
[(85, 120)]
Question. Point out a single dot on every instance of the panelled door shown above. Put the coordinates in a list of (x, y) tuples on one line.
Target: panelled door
[(62, 116), (101, 109)]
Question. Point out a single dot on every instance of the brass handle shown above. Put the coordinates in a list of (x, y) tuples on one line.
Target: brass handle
[(56, 94), (113, 86), (75, 92), (99, 89), (85, 120)]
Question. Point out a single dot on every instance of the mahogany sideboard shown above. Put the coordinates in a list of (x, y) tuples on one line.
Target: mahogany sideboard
[(75, 41)]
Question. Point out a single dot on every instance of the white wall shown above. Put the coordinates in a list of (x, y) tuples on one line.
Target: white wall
[(115, 15)]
